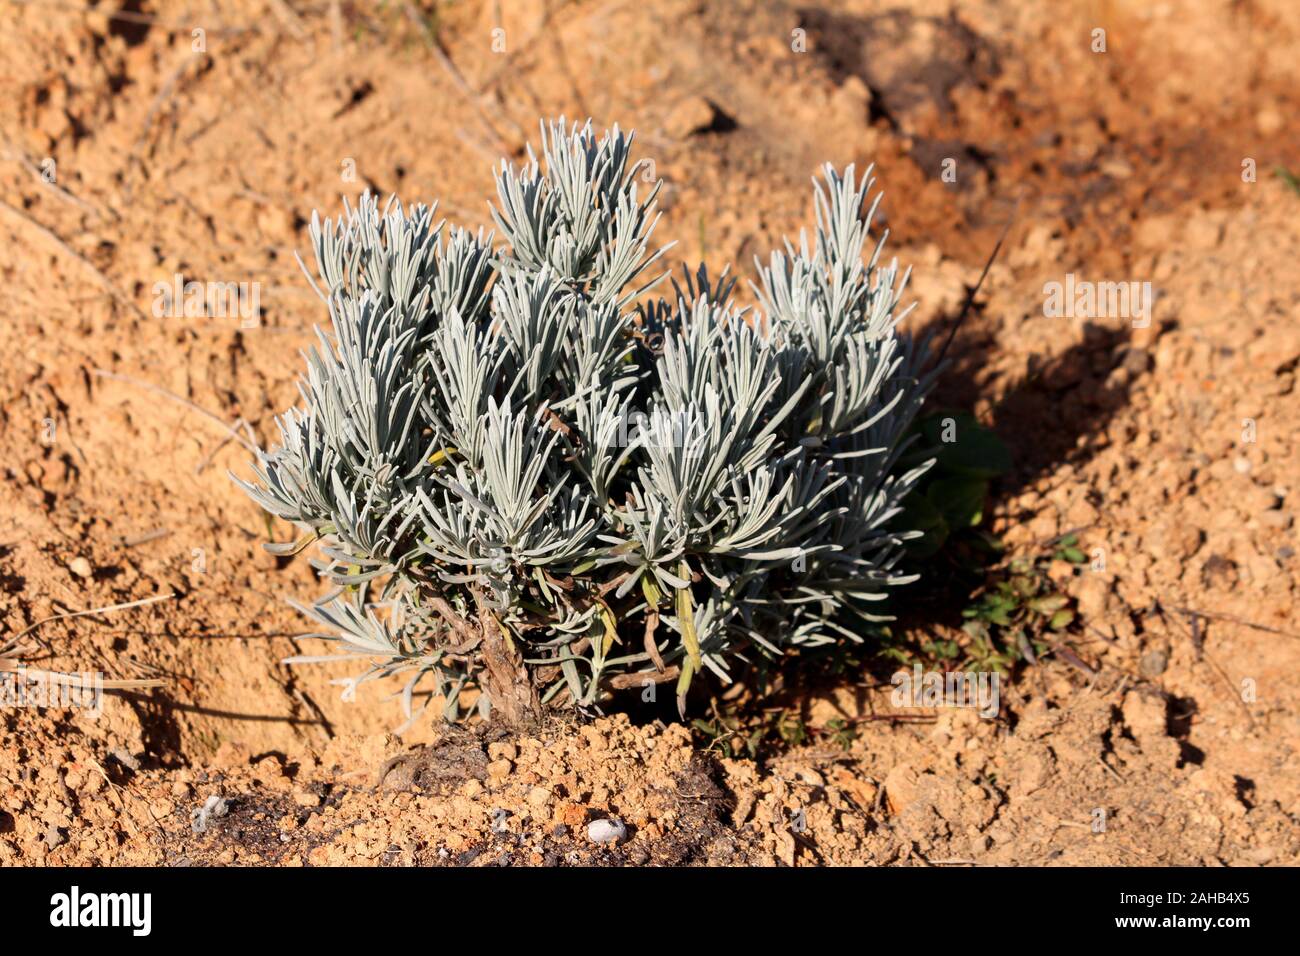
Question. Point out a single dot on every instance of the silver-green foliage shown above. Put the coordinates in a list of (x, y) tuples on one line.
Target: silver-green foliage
[(635, 487)]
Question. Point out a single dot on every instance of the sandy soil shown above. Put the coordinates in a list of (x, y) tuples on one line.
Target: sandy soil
[(1171, 448)]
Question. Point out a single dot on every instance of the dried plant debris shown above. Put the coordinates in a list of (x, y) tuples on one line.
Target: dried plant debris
[(525, 474)]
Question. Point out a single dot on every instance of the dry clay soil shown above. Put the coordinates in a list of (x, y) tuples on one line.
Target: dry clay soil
[(1173, 447)]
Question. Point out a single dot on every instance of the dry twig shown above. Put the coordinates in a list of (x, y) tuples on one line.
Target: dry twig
[(75, 256), (157, 390), (95, 610)]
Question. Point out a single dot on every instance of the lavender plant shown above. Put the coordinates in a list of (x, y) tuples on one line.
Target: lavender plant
[(527, 474)]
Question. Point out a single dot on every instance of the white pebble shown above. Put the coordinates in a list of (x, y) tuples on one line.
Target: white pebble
[(606, 831), (216, 806)]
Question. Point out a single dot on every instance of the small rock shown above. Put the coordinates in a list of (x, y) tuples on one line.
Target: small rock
[(274, 221), (1262, 855), (1117, 169), (1092, 592), (694, 115), (606, 831), (1269, 121), (1174, 540), (1066, 372), (1280, 520), (1145, 715), (125, 758), (1081, 514), (215, 806), (571, 814), (1034, 770), (305, 798), (1059, 572), (1219, 572), (809, 776), (1254, 500), (54, 837), (539, 797), (80, 567), (1153, 663), (785, 847), (1136, 360), (902, 787), (503, 750)]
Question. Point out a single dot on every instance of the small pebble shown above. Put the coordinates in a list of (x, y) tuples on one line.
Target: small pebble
[(80, 567), (1153, 663), (214, 807), (606, 831), (53, 837), (125, 758)]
